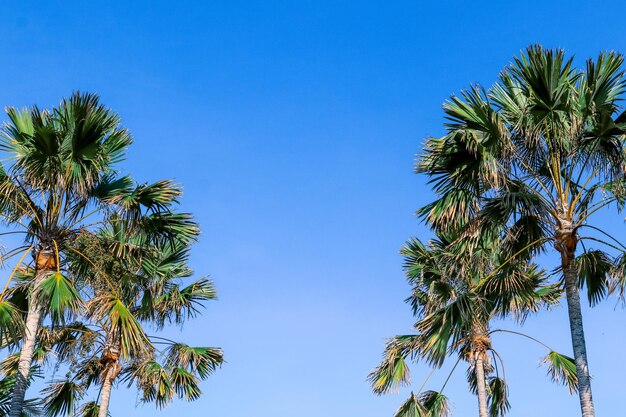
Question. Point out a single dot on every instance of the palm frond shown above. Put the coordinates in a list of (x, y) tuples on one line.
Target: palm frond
[(11, 323), (594, 269), (178, 304), (120, 321), (89, 371), (59, 296), (393, 372), (411, 408), (202, 361), (435, 403), (498, 400), (185, 384), (89, 409), (153, 380), (61, 398), (446, 326), (562, 370)]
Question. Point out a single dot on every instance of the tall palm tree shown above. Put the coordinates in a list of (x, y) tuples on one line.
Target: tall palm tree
[(455, 296), (58, 178), (538, 154), (133, 285)]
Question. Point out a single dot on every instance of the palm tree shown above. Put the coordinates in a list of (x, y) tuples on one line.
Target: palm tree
[(455, 296), (58, 179), (537, 155), (133, 285)]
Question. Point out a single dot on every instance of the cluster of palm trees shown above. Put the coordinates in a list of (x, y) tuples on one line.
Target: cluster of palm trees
[(101, 265), (522, 170)]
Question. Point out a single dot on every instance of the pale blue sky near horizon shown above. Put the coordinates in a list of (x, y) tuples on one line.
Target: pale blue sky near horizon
[(293, 126)]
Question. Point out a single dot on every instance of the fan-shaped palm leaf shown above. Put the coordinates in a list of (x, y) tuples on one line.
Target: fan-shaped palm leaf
[(61, 398), (594, 268), (562, 370), (393, 372), (498, 397), (200, 360), (120, 321), (411, 408), (59, 296)]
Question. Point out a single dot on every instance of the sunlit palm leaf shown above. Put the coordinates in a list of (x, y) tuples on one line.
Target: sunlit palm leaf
[(11, 323), (176, 305), (158, 195), (154, 382), (199, 360), (165, 228), (562, 370), (393, 372), (185, 384), (59, 296), (120, 321)]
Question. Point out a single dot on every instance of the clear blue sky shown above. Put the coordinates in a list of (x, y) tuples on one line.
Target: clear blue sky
[(293, 126)]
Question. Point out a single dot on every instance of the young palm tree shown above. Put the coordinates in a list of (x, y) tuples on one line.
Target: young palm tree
[(58, 178), (455, 296), (133, 286), (540, 152)]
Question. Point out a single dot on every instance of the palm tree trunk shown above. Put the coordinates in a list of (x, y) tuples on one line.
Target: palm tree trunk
[(481, 388), (33, 321), (110, 361), (570, 274), (105, 396)]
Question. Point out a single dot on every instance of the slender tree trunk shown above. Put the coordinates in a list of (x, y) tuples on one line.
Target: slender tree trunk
[(105, 396), (570, 274), (110, 361), (566, 242), (33, 321), (481, 388)]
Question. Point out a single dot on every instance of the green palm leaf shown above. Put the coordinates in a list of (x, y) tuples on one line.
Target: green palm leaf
[(498, 397), (178, 304), (562, 370), (435, 403), (11, 323), (411, 408), (61, 398), (199, 360), (185, 384), (121, 322), (393, 372), (89, 371), (594, 269), (154, 382), (89, 409), (59, 296)]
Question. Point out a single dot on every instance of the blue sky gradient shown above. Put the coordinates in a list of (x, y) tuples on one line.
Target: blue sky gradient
[(293, 127)]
